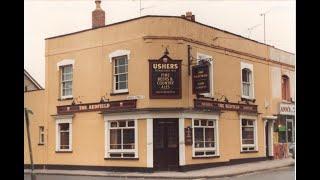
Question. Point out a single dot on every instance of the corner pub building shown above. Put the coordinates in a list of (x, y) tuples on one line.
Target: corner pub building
[(157, 93)]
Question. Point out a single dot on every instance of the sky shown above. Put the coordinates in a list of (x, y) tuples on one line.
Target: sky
[(47, 18)]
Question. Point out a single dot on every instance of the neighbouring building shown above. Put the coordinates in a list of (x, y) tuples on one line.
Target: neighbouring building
[(160, 93)]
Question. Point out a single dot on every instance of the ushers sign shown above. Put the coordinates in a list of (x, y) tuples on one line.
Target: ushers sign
[(112, 105), (287, 109), (217, 105), (165, 78)]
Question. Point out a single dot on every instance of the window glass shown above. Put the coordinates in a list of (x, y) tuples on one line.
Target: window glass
[(120, 73), (248, 133), (204, 138), (122, 139), (66, 80)]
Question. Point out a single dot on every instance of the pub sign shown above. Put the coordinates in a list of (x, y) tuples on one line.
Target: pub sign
[(165, 78), (200, 79)]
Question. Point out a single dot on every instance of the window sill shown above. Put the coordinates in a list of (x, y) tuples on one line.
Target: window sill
[(64, 151), (205, 157), (119, 93), (253, 151), (40, 144), (121, 158), (247, 99), (65, 99)]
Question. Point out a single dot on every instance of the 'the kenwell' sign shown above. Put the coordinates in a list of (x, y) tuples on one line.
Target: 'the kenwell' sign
[(217, 105), (165, 78), (112, 105), (200, 79)]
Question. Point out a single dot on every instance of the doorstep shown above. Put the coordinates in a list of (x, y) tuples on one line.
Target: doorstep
[(222, 171)]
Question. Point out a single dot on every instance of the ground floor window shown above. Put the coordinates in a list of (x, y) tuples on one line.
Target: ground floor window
[(248, 134), (204, 138), (284, 126), (121, 139), (64, 135)]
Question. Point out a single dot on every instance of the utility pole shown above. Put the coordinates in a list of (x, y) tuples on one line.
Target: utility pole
[(27, 111), (264, 25)]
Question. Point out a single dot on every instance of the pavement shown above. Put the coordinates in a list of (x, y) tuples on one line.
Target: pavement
[(216, 172)]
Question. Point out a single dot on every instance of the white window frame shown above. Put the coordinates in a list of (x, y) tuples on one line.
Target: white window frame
[(216, 139), (211, 93), (41, 132), (255, 129), (65, 62), (107, 140), (60, 121), (114, 79), (251, 89), (61, 83)]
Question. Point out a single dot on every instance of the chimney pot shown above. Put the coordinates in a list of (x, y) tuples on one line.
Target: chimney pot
[(189, 16), (98, 16)]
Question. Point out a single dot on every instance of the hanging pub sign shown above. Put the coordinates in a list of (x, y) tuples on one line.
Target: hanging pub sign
[(217, 105), (164, 78), (100, 106), (200, 79)]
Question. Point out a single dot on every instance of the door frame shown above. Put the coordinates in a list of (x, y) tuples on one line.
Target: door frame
[(290, 120), (177, 122), (268, 136)]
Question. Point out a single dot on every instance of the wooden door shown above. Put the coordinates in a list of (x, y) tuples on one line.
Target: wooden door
[(166, 144)]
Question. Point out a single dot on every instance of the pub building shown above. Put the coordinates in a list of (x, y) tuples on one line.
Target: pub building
[(157, 93)]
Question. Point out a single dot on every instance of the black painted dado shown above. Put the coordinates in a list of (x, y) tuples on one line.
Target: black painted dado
[(144, 169), (90, 168)]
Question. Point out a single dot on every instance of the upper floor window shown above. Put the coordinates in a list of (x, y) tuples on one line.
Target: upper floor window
[(66, 81), (247, 86), (285, 88), (120, 74)]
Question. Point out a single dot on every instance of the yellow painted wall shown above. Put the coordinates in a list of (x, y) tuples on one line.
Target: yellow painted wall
[(35, 101)]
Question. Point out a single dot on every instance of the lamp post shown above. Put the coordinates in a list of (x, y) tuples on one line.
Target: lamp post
[(26, 112)]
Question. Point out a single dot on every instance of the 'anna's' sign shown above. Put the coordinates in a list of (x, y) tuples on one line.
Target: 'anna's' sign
[(165, 78)]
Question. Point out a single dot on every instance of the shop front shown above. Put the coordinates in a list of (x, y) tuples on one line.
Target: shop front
[(284, 129)]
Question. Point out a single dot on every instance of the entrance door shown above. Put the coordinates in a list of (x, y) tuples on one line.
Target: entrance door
[(290, 137), (166, 144)]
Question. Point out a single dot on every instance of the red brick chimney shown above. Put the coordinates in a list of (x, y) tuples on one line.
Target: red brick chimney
[(98, 16), (189, 16)]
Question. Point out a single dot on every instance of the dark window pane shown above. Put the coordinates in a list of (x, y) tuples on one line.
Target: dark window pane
[(198, 132), (122, 123), (122, 85), (250, 122), (128, 155), (128, 139), (64, 138), (114, 124), (64, 126), (210, 153), (115, 155), (210, 123), (203, 122), (245, 75), (115, 138), (251, 148), (199, 153), (244, 122), (196, 122), (130, 123)]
